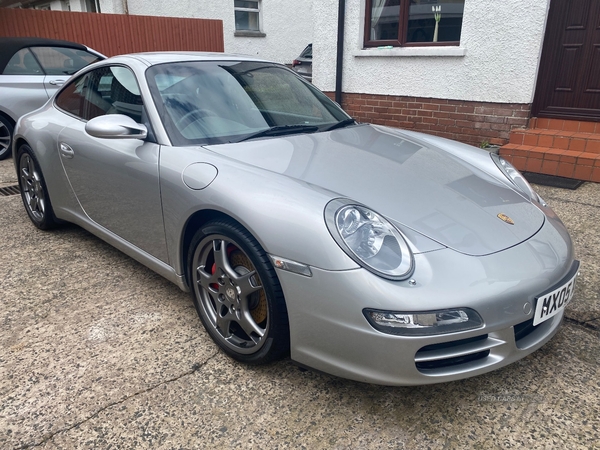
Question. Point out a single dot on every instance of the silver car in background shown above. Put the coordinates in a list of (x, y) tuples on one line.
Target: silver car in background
[(303, 64), (367, 252), (31, 71)]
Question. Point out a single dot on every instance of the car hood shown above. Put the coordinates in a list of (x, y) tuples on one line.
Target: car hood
[(411, 181)]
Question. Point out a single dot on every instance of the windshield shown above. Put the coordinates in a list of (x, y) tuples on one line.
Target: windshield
[(224, 101)]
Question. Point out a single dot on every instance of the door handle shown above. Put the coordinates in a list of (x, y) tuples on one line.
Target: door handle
[(66, 151), (57, 82)]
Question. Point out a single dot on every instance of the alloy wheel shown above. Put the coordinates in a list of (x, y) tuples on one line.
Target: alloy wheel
[(231, 296), (5, 140), (32, 188)]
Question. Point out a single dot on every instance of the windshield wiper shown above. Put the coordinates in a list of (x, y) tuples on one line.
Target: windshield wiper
[(341, 124), (281, 130)]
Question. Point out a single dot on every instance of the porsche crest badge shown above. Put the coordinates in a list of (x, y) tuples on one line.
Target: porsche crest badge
[(506, 219)]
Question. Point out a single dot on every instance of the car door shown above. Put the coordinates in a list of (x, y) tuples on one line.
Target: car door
[(22, 84), (115, 180)]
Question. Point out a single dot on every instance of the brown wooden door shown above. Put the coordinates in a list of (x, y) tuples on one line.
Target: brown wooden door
[(569, 78)]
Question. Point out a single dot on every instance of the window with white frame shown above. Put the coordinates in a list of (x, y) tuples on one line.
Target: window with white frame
[(247, 16)]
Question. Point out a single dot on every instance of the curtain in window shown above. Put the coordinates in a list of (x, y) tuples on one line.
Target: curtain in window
[(376, 11)]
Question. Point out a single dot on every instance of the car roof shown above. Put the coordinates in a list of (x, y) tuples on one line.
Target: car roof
[(152, 58), (11, 45)]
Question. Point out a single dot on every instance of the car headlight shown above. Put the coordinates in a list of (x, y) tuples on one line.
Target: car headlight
[(515, 177), (369, 239)]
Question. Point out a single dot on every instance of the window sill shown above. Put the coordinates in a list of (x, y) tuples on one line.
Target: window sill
[(249, 33), (411, 51)]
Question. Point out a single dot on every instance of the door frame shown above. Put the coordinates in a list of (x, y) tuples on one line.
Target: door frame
[(547, 62)]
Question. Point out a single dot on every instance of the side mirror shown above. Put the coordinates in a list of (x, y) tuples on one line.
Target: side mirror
[(115, 126)]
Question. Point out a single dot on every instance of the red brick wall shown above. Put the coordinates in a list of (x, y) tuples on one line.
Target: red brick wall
[(469, 122)]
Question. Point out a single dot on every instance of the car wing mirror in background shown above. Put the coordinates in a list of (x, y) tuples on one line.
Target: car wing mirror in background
[(115, 126)]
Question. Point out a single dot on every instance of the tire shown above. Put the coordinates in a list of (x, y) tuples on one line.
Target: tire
[(237, 293), (6, 135), (33, 190)]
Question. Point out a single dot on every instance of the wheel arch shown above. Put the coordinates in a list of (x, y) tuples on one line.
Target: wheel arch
[(192, 225), (12, 121), (201, 228), (20, 141)]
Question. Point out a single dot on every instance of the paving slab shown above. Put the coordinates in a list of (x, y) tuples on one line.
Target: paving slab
[(97, 351), (541, 402), (8, 175)]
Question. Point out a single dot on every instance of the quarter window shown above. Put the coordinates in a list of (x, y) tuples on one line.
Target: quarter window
[(247, 15), (413, 22), (23, 63), (62, 60), (48, 61)]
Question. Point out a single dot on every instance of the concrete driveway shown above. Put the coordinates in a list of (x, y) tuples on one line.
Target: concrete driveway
[(96, 351)]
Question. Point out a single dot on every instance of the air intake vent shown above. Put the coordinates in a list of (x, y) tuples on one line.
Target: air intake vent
[(446, 356)]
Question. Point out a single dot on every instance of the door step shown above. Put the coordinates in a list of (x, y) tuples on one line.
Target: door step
[(565, 148)]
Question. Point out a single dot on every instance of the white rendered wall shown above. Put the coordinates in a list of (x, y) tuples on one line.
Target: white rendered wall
[(58, 5), (77, 5), (288, 24), (501, 44)]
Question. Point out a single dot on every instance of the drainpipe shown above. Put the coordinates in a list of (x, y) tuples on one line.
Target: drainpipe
[(340, 51), (125, 8)]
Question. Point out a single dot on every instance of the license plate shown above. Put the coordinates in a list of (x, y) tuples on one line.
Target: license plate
[(554, 302)]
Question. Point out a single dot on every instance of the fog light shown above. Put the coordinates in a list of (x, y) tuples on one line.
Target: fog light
[(424, 323)]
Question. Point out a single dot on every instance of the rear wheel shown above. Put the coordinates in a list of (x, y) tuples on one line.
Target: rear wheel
[(33, 190), (6, 133), (237, 294)]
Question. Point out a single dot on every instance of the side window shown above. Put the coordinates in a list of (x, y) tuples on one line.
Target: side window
[(72, 97), (23, 63), (125, 94), (62, 60), (82, 98), (106, 90)]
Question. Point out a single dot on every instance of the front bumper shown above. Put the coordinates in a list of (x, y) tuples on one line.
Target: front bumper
[(330, 333)]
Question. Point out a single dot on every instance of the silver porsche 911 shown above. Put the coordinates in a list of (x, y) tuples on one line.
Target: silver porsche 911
[(367, 252)]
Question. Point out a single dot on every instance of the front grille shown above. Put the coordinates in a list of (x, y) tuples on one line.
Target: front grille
[(438, 357), (9, 190)]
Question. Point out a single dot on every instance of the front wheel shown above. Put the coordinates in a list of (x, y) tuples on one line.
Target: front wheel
[(237, 293), (33, 190)]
